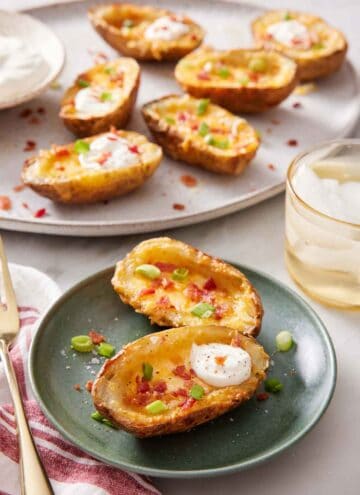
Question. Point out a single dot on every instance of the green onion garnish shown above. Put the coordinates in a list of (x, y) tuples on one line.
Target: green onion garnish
[(156, 407), (106, 96), (258, 64), (81, 146), (82, 83), (223, 144), (147, 371), (109, 70), (209, 139), (105, 349), (224, 72), (204, 129), (100, 418), (148, 271), (284, 341), (128, 23), (180, 274), (197, 391), (244, 81), (287, 17), (318, 46), (170, 120), (273, 385), (82, 343), (202, 106), (203, 310)]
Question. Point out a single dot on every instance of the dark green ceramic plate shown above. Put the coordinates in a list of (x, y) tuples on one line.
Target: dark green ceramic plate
[(242, 438)]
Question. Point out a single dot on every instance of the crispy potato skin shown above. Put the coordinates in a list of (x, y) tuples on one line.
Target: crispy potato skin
[(105, 17), (248, 309), (93, 187), (110, 385), (91, 125), (310, 67), (180, 148), (248, 99)]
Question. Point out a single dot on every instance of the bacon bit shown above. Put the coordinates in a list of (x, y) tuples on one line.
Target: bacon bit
[(40, 213), (193, 37), (254, 77), (164, 301), (236, 341), (181, 372), (166, 283), (180, 392), (34, 121), (30, 145), (142, 385), (5, 203), (24, 114), (89, 385), (275, 121), (104, 157), (134, 149), (60, 152), (59, 167), (96, 337), (25, 205), (297, 104), (118, 77), (77, 387), (271, 166), (194, 292), (210, 284), (188, 403), (194, 126), (262, 396), (165, 267), (203, 76), (220, 311), (160, 387), (292, 142), (220, 360), (178, 206), (19, 188), (189, 180), (111, 138), (41, 110), (147, 291), (183, 116)]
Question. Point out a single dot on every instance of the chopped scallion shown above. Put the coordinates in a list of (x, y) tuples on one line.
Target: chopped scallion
[(202, 106), (81, 146), (273, 385), (284, 341), (156, 407), (105, 349), (204, 129), (180, 274), (147, 371), (203, 310), (148, 271), (82, 343), (197, 391)]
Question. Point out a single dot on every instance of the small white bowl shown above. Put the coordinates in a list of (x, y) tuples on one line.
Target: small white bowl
[(37, 35)]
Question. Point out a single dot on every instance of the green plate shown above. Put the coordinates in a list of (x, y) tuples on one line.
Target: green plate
[(253, 433)]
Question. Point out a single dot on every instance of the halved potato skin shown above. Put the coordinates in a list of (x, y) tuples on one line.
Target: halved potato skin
[(107, 20), (87, 187), (88, 125), (233, 95), (245, 304), (313, 64), (114, 384), (192, 149)]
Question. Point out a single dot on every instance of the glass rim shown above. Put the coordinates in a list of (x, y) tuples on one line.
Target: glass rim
[(308, 151)]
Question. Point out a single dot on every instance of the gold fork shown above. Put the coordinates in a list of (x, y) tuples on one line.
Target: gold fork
[(33, 478)]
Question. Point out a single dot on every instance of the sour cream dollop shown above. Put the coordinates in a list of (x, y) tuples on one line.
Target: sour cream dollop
[(109, 152), (21, 67), (96, 100), (290, 33), (220, 365), (166, 28)]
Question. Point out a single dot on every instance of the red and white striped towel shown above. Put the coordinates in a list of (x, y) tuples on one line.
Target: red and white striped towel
[(71, 471)]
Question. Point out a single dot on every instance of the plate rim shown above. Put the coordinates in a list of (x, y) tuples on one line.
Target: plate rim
[(199, 473)]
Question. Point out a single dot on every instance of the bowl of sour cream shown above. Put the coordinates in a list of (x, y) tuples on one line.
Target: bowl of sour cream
[(31, 58)]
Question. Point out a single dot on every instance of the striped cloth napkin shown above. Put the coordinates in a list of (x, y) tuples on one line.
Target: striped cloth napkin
[(71, 471)]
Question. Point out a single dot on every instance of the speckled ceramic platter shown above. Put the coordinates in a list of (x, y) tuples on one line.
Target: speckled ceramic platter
[(242, 438), (150, 208)]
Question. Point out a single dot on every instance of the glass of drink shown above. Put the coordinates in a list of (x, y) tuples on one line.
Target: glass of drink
[(322, 225)]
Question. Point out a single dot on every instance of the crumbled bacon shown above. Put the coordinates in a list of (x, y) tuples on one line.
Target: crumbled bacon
[(61, 152), (165, 267), (19, 188), (41, 110), (147, 291), (193, 37), (160, 387), (254, 76), (181, 372), (30, 145), (134, 148), (180, 392), (297, 104), (203, 76), (34, 121), (142, 386), (89, 385), (236, 340), (262, 396), (24, 114), (210, 284), (271, 166), (77, 387), (5, 203), (118, 77), (189, 180), (220, 311), (164, 302), (275, 121), (105, 155), (292, 142), (59, 167), (193, 292), (178, 206), (189, 402), (194, 126), (96, 337), (41, 212), (183, 116)]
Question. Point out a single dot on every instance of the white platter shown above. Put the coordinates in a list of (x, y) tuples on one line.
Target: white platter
[(329, 112)]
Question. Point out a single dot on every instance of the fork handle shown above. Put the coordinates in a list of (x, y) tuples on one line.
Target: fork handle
[(33, 478)]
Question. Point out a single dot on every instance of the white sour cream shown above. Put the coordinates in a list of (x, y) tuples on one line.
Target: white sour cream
[(166, 29), (290, 33), (96, 100), (220, 365), (108, 152), (21, 67)]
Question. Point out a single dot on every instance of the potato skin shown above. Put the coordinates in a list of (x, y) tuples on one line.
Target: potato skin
[(179, 148), (91, 125), (310, 68), (140, 48), (248, 99), (95, 187), (248, 316), (109, 388)]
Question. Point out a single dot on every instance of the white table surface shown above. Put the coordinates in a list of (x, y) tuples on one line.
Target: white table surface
[(327, 460)]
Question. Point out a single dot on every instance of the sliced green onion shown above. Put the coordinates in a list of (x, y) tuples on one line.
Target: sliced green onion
[(156, 407), (318, 46), (202, 106), (203, 310), (287, 17), (244, 81), (284, 341), (147, 371), (106, 96), (148, 271), (273, 385), (105, 349), (209, 139), (109, 70), (82, 343), (258, 64), (100, 418), (81, 146), (180, 274), (82, 83), (204, 129), (128, 23), (170, 120), (224, 72), (222, 144), (197, 391)]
